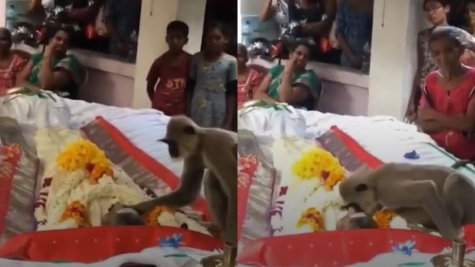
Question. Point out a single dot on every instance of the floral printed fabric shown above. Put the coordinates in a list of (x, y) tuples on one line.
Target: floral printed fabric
[(308, 199)]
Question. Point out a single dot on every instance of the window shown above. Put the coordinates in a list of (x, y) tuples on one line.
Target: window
[(320, 23), (95, 25)]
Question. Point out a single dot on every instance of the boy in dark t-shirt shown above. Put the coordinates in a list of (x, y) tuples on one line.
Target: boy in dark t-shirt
[(171, 71)]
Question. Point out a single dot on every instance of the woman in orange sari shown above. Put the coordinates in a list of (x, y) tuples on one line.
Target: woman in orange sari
[(248, 79)]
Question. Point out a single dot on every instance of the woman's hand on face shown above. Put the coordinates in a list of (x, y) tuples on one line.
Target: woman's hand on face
[(50, 50), (289, 65)]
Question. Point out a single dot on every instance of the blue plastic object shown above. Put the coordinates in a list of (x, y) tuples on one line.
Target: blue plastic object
[(411, 155)]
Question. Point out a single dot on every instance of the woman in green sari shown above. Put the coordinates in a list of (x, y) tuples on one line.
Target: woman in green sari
[(55, 70), (292, 83)]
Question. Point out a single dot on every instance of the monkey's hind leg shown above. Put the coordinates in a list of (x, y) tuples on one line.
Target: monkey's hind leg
[(217, 203)]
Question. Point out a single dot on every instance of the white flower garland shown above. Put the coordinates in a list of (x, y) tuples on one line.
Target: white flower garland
[(68, 187)]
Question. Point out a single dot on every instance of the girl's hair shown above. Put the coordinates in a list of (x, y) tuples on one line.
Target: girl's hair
[(292, 47), (52, 31), (446, 32), (179, 27), (444, 3), (6, 31), (216, 25), (242, 48), (467, 2)]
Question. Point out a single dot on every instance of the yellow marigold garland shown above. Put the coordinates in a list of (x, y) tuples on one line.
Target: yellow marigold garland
[(313, 218), (85, 155), (76, 211), (383, 218), (319, 163)]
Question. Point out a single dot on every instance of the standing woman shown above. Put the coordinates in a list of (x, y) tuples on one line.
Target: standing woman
[(468, 58), (354, 20), (436, 12), (316, 18), (213, 81), (248, 79), (447, 106)]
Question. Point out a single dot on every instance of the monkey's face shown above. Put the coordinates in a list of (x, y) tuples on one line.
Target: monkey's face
[(359, 197), (182, 137)]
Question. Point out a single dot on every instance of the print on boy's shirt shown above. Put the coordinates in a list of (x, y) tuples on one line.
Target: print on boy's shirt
[(176, 84), (170, 95)]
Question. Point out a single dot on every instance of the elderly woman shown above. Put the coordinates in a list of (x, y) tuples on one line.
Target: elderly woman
[(10, 64), (54, 69), (248, 79), (293, 84)]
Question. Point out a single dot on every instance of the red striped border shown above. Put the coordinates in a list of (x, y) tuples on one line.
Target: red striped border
[(355, 148), (149, 163)]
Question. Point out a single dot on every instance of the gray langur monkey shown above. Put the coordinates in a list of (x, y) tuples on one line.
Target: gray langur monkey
[(436, 197), (201, 148)]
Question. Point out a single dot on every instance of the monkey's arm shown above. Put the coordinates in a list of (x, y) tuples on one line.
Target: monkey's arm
[(228, 177), (190, 187), (420, 194)]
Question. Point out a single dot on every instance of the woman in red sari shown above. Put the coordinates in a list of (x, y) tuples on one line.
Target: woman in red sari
[(248, 79), (10, 64), (447, 106)]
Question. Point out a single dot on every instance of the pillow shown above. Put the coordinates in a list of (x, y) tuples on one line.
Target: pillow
[(33, 112), (18, 170)]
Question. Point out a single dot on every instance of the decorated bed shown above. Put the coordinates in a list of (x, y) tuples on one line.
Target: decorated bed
[(64, 164), (289, 183)]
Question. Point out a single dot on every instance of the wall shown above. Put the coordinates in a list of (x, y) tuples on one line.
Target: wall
[(156, 14), (251, 7), (393, 58)]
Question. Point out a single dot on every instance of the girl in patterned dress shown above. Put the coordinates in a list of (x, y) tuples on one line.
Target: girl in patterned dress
[(212, 85), (248, 79)]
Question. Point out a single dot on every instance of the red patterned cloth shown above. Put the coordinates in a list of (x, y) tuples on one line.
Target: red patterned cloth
[(11, 157), (247, 168), (98, 243), (8, 74), (247, 88)]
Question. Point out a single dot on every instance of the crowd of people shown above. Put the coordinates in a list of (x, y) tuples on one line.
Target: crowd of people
[(106, 26), (338, 31)]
